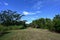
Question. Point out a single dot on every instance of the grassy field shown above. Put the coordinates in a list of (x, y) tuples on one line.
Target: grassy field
[(30, 34)]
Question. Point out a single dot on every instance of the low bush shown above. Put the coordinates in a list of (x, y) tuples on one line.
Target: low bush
[(15, 27), (3, 29)]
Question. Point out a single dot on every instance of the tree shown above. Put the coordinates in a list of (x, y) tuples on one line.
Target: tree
[(39, 23), (48, 24), (56, 22), (8, 17), (43, 23)]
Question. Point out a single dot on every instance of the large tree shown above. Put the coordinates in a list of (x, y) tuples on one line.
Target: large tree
[(8, 17)]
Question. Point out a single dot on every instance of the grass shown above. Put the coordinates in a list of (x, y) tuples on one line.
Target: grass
[(31, 34)]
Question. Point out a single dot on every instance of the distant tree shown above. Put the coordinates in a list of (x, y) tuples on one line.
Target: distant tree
[(39, 23), (43, 23)]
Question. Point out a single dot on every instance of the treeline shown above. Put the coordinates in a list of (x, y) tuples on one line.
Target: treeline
[(47, 23), (11, 20)]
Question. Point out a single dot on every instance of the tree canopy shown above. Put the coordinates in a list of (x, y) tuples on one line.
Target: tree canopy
[(8, 17)]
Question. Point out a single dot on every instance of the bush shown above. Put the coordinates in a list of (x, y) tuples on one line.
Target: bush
[(15, 27), (57, 25), (2, 29)]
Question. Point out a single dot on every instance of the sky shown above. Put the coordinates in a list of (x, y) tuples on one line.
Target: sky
[(32, 9)]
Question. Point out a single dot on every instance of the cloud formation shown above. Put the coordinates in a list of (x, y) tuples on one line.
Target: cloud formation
[(5, 3), (25, 12), (28, 13), (37, 5)]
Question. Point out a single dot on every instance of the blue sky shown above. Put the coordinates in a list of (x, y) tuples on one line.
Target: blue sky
[(32, 9)]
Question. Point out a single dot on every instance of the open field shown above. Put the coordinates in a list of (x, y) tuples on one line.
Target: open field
[(30, 34)]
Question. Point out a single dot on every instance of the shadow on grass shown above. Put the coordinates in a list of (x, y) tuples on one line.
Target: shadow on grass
[(3, 33)]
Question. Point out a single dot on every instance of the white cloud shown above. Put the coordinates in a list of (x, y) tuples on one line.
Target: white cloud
[(25, 12), (5, 3), (28, 22), (28, 13), (37, 5)]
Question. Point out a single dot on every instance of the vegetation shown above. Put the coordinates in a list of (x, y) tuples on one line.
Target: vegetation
[(11, 20), (51, 24), (56, 22), (8, 17)]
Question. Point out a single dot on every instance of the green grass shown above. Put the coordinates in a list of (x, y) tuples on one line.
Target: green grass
[(31, 34)]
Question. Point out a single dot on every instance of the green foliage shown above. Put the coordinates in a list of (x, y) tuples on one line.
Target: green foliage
[(15, 27), (52, 25), (11, 20), (3, 29), (39, 23), (48, 24), (43, 23), (8, 17), (56, 21)]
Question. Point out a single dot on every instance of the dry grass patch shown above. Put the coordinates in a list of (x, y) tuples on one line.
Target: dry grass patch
[(31, 34)]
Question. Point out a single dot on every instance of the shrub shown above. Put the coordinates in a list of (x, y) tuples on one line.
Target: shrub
[(3, 29), (15, 27)]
